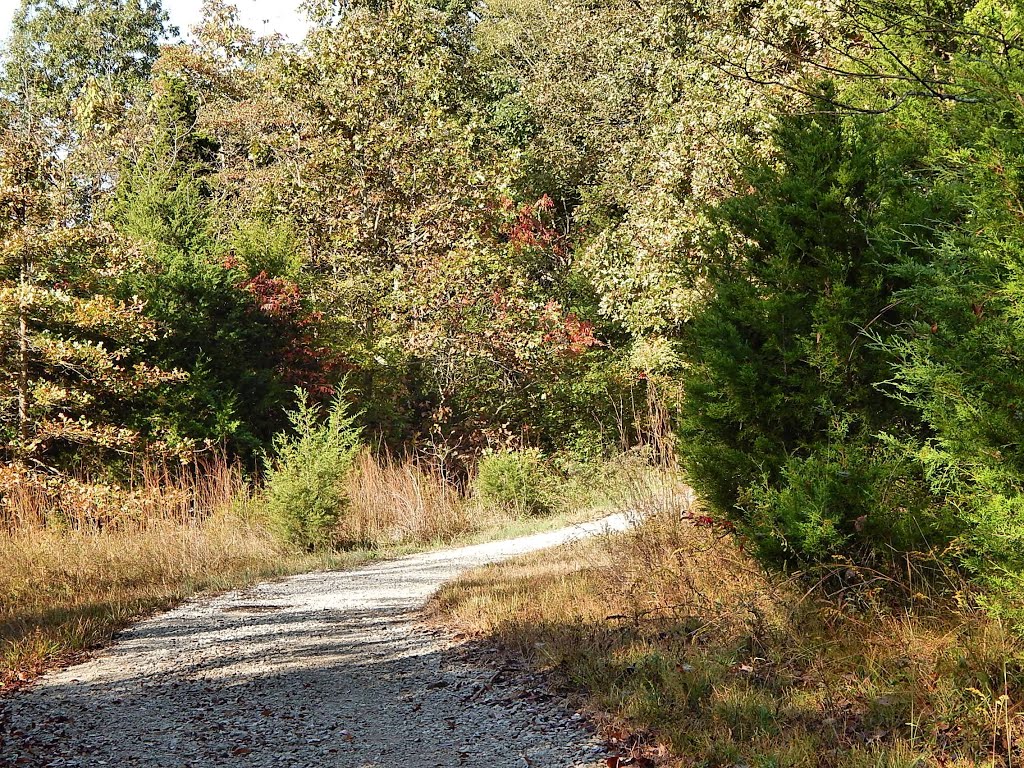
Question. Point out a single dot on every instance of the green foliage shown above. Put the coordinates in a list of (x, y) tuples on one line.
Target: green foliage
[(86, 56), (853, 380), (515, 480), (956, 358), (305, 475), (781, 403), (267, 246), (788, 230), (164, 210), (233, 316)]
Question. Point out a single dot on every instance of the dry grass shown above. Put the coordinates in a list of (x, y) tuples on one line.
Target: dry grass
[(395, 502), (159, 491), (401, 505), (83, 559), (697, 653)]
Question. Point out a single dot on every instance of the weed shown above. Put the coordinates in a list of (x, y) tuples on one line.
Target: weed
[(305, 484), (515, 480)]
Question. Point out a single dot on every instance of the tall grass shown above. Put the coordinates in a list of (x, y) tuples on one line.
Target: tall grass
[(403, 501), (157, 492), (691, 653), (67, 591)]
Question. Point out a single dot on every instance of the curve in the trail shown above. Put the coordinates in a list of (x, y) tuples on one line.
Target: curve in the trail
[(316, 671)]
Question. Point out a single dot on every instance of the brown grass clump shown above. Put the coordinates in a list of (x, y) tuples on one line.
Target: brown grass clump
[(694, 651), (158, 491), (402, 502), (408, 503)]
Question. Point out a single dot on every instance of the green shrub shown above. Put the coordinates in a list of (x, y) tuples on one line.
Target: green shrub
[(305, 493), (515, 480), (853, 382), (776, 376), (783, 425)]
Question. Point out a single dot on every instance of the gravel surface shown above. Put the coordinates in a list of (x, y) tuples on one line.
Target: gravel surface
[(323, 669)]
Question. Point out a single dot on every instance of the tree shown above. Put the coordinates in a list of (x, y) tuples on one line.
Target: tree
[(852, 381), (782, 407), (372, 145), (93, 54), (69, 341), (72, 338), (227, 299)]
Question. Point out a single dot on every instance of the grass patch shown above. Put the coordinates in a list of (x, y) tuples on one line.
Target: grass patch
[(64, 592), (73, 576), (691, 649)]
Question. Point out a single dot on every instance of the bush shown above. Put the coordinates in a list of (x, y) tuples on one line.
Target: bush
[(779, 426), (853, 380), (305, 491), (515, 480)]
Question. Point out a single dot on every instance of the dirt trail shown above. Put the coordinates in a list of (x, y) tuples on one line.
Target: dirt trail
[(323, 669)]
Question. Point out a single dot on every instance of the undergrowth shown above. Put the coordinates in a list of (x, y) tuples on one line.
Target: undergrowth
[(693, 655)]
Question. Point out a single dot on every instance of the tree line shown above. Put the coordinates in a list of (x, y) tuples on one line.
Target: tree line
[(775, 240)]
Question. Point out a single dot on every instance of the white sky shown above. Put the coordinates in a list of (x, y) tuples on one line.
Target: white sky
[(264, 16)]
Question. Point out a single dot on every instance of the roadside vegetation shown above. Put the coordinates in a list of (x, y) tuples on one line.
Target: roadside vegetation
[(687, 652), (71, 579), (441, 270)]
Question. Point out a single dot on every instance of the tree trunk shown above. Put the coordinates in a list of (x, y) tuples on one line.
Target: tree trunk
[(23, 353)]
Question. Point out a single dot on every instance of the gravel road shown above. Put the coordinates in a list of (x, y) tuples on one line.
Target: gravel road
[(323, 669)]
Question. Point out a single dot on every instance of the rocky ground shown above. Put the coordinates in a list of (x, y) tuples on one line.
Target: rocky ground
[(324, 669)]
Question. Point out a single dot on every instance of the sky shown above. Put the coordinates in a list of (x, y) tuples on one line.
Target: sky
[(264, 16)]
